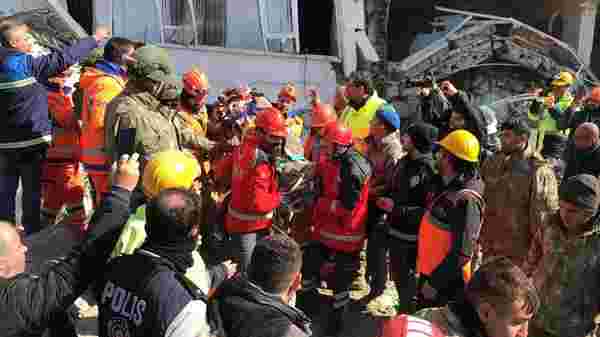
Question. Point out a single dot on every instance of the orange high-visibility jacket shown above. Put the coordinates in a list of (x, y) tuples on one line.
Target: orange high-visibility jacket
[(65, 140), (99, 88)]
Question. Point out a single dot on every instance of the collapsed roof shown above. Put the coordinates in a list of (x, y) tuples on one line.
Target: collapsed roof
[(486, 40)]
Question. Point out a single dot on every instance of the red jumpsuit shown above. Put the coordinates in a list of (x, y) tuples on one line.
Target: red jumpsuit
[(63, 181)]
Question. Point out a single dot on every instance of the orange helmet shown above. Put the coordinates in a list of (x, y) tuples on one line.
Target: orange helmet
[(338, 133), (195, 81), (595, 95), (322, 114), (288, 91), (272, 122)]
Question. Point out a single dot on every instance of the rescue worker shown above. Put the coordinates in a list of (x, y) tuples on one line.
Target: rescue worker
[(384, 151), (192, 101), (99, 85), (160, 301), (405, 201), (449, 230), (254, 186), (259, 305), (500, 301), (521, 194), (31, 304), (144, 115), (340, 102), (322, 114), (548, 113), (285, 102), (363, 103), (26, 132), (583, 155), (339, 220), (563, 262), (589, 112), (63, 180), (553, 151)]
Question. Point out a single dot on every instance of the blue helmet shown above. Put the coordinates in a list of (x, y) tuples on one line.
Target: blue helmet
[(388, 114)]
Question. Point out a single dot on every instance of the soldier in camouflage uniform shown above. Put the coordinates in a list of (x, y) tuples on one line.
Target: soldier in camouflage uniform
[(564, 262), (521, 195), (500, 300)]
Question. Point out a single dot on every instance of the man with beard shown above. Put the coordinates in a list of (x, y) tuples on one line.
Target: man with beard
[(363, 103), (339, 220), (521, 194), (583, 156), (254, 184), (563, 262)]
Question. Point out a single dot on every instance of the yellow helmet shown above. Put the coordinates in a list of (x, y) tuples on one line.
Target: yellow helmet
[(462, 144), (564, 78), (169, 169)]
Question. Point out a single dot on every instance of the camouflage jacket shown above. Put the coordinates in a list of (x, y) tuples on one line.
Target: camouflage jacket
[(521, 194), (455, 320), (155, 127), (565, 268)]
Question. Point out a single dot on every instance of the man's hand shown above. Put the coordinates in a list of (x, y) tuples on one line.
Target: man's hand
[(230, 268), (448, 89), (101, 34), (385, 204), (126, 173), (549, 101)]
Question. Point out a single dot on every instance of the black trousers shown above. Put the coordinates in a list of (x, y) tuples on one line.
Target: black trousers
[(24, 164)]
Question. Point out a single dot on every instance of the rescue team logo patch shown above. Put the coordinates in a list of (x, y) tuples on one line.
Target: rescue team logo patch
[(118, 327)]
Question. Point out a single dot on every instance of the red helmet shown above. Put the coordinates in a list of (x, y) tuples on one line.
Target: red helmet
[(404, 325), (195, 81), (322, 114), (272, 122), (338, 133)]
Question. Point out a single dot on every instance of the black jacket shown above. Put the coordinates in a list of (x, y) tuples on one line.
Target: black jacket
[(355, 169), (582, 162), (248, 311), (29, 302), (410, 185)]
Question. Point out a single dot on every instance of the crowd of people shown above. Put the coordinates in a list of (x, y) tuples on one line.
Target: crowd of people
[(176, 201)]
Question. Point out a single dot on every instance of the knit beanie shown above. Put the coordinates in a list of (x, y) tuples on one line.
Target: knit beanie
[(423, 135), (581, 190)]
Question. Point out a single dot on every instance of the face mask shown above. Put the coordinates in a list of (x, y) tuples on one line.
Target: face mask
[(165, 92)]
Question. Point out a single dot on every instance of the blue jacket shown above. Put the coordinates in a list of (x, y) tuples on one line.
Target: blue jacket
[(24, 98)]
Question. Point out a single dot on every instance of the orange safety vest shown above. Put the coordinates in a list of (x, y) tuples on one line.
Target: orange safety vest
[(436, 239), (99, 89), (65, 134)]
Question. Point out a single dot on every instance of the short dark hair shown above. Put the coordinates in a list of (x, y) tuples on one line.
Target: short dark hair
[(517, 125), (500, 283), (275, 262), (362, 79), (116, 47), (172, 215)]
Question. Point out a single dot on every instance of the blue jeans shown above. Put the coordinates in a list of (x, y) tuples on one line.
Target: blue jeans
[(242, 246), (24, 164)]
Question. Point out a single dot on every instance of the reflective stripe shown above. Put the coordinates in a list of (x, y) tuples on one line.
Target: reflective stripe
[(399, 235), (344, 238), (93, 152), (249, 217), (27, 143), (63, 149), (18, 84)]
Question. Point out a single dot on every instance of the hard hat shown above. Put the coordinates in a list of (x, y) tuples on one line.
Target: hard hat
[(387, 113), (462, 144), (338, 133), (272, 122), (154, 63), (195, 81), (405, 325), (564, 78), (595, 95), (288, 91), (321, 115), (169, 169)]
